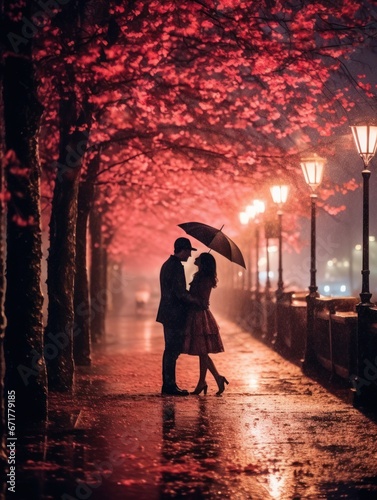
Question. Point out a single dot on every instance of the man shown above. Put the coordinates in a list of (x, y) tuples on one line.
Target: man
[(172, 312)]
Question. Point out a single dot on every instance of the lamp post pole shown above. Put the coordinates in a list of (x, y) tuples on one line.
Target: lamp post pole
[(269, 307), (365, 294), (279, 195), (268, 281), (313, 172), (309, 355), (280, 289), (364, 394), (365, 137), (251, 213), (313, 289), (259, 209), (249, 281), (280, 309), (257, 280)]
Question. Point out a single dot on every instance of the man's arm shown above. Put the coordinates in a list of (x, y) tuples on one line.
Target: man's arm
[(183, 294)]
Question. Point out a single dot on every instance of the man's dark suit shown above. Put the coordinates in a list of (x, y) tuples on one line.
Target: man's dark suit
[(172, 313)]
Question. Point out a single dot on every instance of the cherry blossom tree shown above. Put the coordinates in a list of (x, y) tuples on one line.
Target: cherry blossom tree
[(240, 87), (74, 118), (25, 367), (191, 105), (82, 342)]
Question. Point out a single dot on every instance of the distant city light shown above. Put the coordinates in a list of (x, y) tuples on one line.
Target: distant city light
[(244, 217), (343, 288), (326, 288), (251, 211), (260, 206), (330, 263), (371, 238)]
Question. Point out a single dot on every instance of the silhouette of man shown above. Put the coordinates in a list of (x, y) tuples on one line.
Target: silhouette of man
[(172, 312)]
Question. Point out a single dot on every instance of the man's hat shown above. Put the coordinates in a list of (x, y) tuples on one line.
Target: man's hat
[(182, 244)]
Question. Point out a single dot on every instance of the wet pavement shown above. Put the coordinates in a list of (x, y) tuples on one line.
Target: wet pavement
[(273, 434)]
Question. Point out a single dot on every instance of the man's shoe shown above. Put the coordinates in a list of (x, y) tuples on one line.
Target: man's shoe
[(174, 391)]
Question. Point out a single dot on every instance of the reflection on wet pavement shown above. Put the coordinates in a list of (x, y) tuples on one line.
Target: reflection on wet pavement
[(273, 434)]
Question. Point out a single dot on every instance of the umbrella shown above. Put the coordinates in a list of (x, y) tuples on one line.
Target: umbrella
[(214, 239)]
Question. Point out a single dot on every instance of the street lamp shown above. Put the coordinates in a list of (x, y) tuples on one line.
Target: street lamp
[(365, 137), (279, 195), (313, 172), (312, 168), (258, 207), (252, 212)]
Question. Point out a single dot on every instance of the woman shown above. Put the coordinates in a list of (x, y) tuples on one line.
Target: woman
[(202, 332)]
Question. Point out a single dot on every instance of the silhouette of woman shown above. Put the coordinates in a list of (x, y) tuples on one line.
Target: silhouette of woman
[(202, 334)]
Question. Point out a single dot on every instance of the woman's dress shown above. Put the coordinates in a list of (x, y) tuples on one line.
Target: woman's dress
[(202, 334)]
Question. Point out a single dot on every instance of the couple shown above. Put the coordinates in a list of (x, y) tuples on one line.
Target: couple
[(189, 326)]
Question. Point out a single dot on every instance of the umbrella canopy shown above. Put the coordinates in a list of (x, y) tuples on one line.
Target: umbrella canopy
[(214, 239)]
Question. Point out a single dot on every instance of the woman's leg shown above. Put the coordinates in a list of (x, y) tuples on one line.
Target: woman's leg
[(203, 364), (212, 368), (220, 379), (201, 385)]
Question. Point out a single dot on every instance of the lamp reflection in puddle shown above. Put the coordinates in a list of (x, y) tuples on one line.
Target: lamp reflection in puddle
[(275, 485), (253, 382), (147, 336)]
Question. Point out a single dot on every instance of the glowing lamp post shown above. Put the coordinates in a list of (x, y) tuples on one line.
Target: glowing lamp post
[(312, 168), (279, 195), (365, 137), (254, 210), (313, 172)]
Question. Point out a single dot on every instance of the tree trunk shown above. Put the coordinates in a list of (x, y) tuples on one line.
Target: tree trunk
[(98, 292), (23, 344), (60, 327), (82, 341), (104, 281), (3, 454)]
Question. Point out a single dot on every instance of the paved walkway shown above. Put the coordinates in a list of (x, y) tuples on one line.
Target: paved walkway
[(273, 434)]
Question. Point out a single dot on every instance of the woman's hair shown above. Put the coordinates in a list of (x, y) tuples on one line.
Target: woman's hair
[(208, 268)]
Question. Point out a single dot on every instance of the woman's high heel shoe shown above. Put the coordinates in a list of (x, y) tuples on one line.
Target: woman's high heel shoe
[(221, 383), (198, 390)]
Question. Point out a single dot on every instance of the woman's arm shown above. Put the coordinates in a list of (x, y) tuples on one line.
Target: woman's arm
[(202, 291)]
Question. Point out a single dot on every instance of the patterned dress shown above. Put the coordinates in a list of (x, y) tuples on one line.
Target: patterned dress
[(202, 334)]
